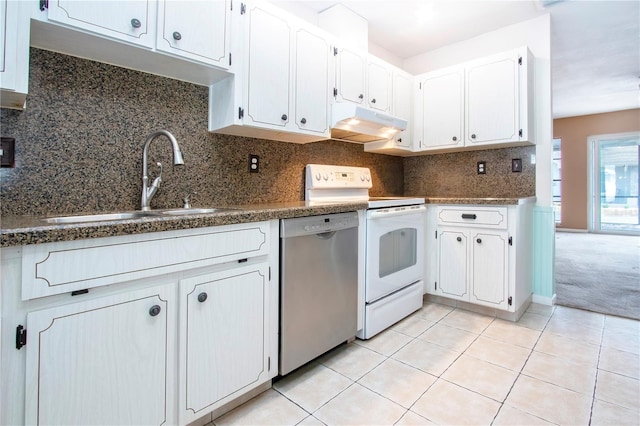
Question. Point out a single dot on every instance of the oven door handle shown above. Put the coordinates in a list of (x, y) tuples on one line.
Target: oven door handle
[(376, 214)]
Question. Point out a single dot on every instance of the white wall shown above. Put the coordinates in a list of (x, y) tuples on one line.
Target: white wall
[(536, 34)]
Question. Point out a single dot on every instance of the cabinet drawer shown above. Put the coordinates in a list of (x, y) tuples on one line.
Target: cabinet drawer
[(486, 217), (55, 268)]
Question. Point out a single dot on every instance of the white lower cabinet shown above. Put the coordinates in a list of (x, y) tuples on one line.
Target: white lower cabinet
[(481, 254), (190, 326), (105, 361), (222, 337)]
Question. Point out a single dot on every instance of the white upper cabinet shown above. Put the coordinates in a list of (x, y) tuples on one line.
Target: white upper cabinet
[(281, 90), (198, 30), (486, 102), (130, 21), (350, 75), (267, 68), (311, 84), (14, 54), (402, 101), (378, 85), (441, 105), (492, 101)]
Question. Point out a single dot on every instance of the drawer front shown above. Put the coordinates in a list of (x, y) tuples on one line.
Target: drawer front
[(485, 217), (55, 268)]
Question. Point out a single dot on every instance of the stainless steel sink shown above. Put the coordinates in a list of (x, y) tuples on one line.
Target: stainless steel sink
[(190, 211), (96, 217)]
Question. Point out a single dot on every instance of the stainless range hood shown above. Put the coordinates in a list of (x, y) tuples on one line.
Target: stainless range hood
[(355, 123)]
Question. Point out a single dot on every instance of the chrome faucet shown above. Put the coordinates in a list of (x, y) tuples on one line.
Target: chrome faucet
[(149, 191)]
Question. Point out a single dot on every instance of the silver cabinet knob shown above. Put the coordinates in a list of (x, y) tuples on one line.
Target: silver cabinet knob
[(284, 117), (303, 120), (373, 101), (177, 35), (454, 138), (135, 23), (473, 136), (459, 239)]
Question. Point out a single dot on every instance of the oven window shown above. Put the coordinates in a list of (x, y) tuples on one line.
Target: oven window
[(398, 251)]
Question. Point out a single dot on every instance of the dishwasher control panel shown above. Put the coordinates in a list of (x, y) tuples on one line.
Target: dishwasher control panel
[(317, 224)]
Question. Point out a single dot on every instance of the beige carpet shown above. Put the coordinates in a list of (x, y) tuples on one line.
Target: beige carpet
[(598, 272)]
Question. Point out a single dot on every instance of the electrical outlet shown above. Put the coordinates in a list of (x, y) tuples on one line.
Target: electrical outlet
[(7, 152), (254, 163), (482, 167), (516, 165)]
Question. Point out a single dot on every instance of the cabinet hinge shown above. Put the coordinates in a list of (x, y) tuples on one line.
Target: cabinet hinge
[(240, 113), (44, 4), (335, 51), (520, 60), (243, 8), (229, 58), (510, 241), (520, 133), (269, 273), (21, 336), (436, 235), (231, 5), (420, 86), (335, 91), (510, 301), (269, 363), (436, 283)]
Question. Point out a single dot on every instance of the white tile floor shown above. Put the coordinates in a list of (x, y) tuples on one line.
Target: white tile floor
[(449, 366)]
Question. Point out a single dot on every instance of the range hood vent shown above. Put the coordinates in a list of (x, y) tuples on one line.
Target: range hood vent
[(355, 123)]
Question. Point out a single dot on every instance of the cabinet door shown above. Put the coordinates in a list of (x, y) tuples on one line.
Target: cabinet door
[(268, 68), (490, 274), (131, 21), (379, 86), (453, 264), (198, 30), (402, 96), (104, 361), (224, 337), (492, 114), (442, 99), (350, 76), (311, 82)]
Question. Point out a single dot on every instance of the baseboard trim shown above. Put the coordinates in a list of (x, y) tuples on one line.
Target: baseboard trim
[(544, 300), (578, 231)]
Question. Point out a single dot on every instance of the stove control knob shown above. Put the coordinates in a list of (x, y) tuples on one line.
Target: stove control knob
[(368, 178), (306, 228), (318, 176), (325, 176), (362, 178)]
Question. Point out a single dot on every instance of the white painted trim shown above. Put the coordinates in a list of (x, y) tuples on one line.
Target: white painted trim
[(543, 300), (571, 230)]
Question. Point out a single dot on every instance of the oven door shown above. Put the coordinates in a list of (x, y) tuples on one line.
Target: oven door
[(395, 249)]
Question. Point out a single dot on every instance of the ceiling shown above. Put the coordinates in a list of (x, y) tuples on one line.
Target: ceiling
[(595, 45)]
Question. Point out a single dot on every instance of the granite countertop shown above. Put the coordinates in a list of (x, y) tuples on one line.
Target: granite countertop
[(23, 230), (496, 201)]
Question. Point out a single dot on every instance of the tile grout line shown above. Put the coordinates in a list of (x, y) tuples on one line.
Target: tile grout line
[(595, 383), (520, 372)]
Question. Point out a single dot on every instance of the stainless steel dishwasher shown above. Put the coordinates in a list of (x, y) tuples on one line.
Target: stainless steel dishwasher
[(318, 286)]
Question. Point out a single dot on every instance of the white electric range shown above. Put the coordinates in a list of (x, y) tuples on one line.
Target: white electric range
[(391, 244)]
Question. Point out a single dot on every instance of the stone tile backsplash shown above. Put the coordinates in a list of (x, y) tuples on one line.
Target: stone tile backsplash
[(79, 149), (79, 146)]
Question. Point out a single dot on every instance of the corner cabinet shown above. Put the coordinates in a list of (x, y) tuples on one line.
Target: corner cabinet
[(282, 89), (486, 103), (481, 254), (157, 328)]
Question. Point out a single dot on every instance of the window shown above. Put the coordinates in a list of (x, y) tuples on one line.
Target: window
[(556, 183)]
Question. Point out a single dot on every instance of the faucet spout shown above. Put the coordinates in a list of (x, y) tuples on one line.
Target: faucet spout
[(149, 191)]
